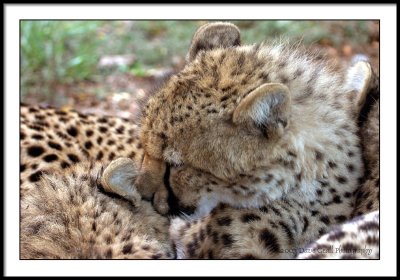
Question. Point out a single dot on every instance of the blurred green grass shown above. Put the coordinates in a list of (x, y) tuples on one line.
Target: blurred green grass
[(68, 52)]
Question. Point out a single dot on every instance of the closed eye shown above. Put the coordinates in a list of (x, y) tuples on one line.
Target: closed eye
[(174, 164)]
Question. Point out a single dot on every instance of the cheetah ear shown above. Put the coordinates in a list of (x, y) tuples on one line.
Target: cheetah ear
[(213, 35), (358, 80), (266, 108)]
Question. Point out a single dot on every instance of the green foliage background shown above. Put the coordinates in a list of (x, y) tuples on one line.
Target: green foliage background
[(67, 52)]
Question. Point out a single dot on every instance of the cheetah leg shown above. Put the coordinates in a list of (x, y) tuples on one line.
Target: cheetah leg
[(119, 177)]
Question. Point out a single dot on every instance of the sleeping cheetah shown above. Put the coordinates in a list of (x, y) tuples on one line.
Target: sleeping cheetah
[(285, 149), (269, 128), (65, 212)]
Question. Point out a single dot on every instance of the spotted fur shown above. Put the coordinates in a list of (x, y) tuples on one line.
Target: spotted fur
[(260, 183), (65, 212), (356, 239)]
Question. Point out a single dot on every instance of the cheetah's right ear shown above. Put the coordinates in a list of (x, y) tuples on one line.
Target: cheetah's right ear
[(266, 109), (213, 35)]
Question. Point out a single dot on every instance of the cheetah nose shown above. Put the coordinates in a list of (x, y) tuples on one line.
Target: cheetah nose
[(151, 176)]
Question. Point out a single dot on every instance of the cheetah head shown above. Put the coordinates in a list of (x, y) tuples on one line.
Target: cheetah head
[(217, 115), (225, 115)]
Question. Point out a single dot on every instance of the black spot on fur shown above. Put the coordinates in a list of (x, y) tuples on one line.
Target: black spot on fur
[(88, 145), (291, 153), (268, 178), (50, 158), (89, 133), (127, 248), (325, 220), (347, 195), (54, 145), (223, 98), (37, 137), (146, 247), (35, 151), (108, 254), (84, 177), (111, 156), (72, 131), (108, 239), (340, 218), (227, 239), (73, 158), (36, 127), (102, 120), (348, 247), (269, 240), (120, 129), (337, 199), (369, 226), (103, 129), (350, 167), (318, 155), (224, 221), (280, 182), (332, 164), (35, 176), (323, 183), (372, 240), (22, 168), (336, 235), (284, 79), (64, 165), (99, 155), (341, 179), (215, 237), (156, 256), (248, 218), (298, 73)]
